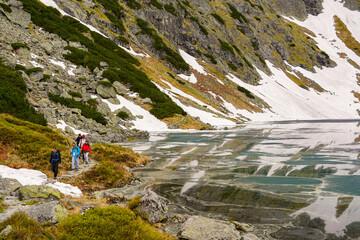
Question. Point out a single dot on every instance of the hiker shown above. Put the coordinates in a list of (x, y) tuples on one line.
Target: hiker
[(81, 144), (86, 150), (75, 153), (78, 140), (55, 160)]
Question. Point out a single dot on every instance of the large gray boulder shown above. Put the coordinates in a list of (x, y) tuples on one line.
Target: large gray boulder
[(105, 92), (119, 87), (39, 192), (44, 212), (153, 206), (7, 186), (202, 228)]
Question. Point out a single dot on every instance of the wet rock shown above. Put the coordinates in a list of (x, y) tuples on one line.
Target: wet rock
[(294, 233), (51, 212), (37, 192), (153, 206), (202, 228)]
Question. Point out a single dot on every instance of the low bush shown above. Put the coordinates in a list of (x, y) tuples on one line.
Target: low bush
[(92, 102), (31, 70), (13, 97), (6, 8), (211, 57), (156, 4), (202, 28), (226, 46), (116, 22), (236, 14), (105, 83), (232, 66), (86, 110), (75, 94), (133, 4), (123, 115), (109, 223), (19, 45), (112, 6), (170, 8), (218, 18), (247, 92), (325, 54), (255, 45)]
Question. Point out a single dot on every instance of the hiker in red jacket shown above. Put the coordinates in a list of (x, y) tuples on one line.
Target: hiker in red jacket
[(86, 150)]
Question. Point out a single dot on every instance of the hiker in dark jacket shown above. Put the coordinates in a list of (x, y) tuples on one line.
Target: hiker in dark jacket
[(78, 140), (55, 160)]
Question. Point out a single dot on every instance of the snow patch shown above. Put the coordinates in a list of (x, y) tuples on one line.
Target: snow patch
[(192, 62), (63, 124)]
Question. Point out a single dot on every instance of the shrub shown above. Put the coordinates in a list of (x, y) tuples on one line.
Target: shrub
[(105, 83), (13, 97), (262, 60), (247, 62), (170, 8), (112, 6), (133, 4), (123, 115), (156, 4), (116, 22), (218, 18), (255, 45), (19, 45), (86, 110), (92, 102), (202, 28), (236, 14), (75, 94), (258, 19), (5, 7), (211, 57), (325, 54), (19, 67), (292, 45), (226, 46), (247, 92), (108, 223), (133, 203), (31, 70), (232, 66)]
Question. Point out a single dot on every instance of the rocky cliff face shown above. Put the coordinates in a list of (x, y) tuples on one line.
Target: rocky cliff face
[(212, 58)]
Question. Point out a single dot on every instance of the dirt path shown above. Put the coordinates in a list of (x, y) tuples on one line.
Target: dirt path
[(82, 168)]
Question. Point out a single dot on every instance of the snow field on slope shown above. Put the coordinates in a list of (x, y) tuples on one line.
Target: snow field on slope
[(34, 177), (290, 102)]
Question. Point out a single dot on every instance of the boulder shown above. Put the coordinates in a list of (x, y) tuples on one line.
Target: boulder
[(44, 212), (114, 101), (37, 192), (23, 53), (353, 230), (153, 206), (105, 92), (146, 101), (119, 87), (9, 184), (36, 76), (298, 233), (202, 228), (69, 131)]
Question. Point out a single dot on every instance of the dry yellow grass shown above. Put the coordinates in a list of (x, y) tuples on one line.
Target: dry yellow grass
[(345, 35)]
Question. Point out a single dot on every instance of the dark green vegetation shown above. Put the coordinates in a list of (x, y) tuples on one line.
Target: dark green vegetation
[(156, 4), (123, 115), (75, 94), (92, 102), (98, 223), (86, 110), (105, 83), (18, 45), (116, 22), (102, 49), (5, 7), (169, 55), (13, 100), (232, 66), (202, 28), (170, 8), (247, 92), (32, 143), (133, 4), (236, 14), (218, 18), (211, 57), (226, 46)]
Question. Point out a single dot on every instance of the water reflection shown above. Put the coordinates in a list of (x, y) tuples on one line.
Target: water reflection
[(261, 172)]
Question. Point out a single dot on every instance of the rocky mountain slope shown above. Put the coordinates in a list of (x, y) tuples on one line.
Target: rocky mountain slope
[(112, 68)]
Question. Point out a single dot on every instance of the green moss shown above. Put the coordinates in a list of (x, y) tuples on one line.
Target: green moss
[(134, 203), (18, 45)]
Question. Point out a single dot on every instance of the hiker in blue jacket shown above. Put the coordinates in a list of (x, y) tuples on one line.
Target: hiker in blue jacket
[(55, 160), (75, 154)]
